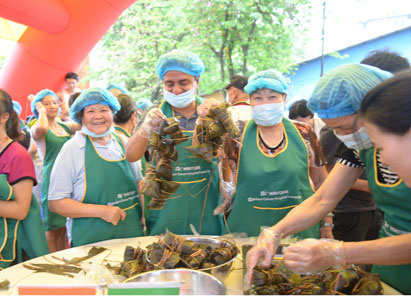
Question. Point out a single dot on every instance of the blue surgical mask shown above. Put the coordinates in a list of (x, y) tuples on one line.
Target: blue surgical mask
[(267, 114), (358, 140), (182, 100), (86, 131)]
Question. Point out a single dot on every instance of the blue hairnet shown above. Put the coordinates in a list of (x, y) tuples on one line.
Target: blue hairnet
[(269, 79), (340, 92), (143, 104), (180, 60), (117, 86), (40, 96), (17, 107), (93, 96)]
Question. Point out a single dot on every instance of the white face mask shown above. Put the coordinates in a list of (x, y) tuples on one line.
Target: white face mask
[(182, 100), (268, 114), (358, 140), (86, 131)]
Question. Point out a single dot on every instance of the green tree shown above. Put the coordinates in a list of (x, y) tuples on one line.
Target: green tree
[(231, 37), (245, 36)]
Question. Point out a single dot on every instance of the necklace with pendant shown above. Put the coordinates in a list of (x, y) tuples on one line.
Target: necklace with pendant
[(271, 150)]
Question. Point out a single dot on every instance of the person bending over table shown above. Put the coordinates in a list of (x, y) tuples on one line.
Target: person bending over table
[(337, 98)]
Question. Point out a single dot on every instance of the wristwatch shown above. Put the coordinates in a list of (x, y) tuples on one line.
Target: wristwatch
[(325, 224)]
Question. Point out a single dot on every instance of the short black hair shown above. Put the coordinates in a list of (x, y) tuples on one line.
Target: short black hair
[(73, 98), (238, 82), (299, 109), (386, 60), (71, 75), (128, 107)]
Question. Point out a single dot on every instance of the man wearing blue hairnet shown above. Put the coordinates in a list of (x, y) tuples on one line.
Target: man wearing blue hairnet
[(198, 195), (337, 99)]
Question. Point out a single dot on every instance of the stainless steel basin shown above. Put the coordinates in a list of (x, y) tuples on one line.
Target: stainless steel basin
[(192, 282)]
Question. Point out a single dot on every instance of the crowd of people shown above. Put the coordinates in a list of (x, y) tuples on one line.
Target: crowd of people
[(335, 173)]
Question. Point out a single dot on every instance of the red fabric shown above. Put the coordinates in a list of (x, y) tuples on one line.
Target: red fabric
[(16, 162), (41, 59), (56, 290)]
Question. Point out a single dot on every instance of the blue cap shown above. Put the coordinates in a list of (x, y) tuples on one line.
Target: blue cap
[(180, 60), (93, 96), (268, 79), (340, 92), (40, 96), (17, 107), (117, 86), (143, 104)]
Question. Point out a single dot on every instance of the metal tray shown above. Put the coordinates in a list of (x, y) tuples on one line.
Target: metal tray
[(192, 282), (220, 271)]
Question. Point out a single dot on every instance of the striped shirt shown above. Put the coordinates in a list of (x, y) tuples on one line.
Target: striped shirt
[(351, 158)]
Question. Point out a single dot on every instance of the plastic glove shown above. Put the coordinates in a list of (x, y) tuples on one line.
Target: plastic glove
[(204, 108), (152, 120), (263, 250), (227, 193), (311, 255)]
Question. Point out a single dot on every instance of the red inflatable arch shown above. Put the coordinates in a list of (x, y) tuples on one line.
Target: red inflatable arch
[(59, 36)]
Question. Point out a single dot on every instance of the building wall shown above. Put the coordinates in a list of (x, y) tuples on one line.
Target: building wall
[(306, 76)]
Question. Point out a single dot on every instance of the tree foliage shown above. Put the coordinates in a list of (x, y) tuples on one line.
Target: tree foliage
[(231, 37)]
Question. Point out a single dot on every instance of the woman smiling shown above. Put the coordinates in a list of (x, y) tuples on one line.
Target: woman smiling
[(92, 184)]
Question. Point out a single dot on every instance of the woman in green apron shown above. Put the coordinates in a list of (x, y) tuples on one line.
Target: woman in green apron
[(21, 233), (92, 184), (126, 118), (337, 98), (49, 136), (390, 132), (198, 194), (125, 122), (275, 165)]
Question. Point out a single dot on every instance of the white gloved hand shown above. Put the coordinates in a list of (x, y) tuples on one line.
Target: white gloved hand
[(152, 120), (264, 250), (311, 255), (204, 108), (227, 193)]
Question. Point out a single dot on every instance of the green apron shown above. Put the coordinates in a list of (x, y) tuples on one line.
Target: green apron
[(16, 235), (122, 130), (195, 199), (267, 188), (108, 182), (53, 144), (143, 167), (394, 201), (8, 227), (32, 237)]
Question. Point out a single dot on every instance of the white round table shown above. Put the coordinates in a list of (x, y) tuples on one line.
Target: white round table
[(19, 275)]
